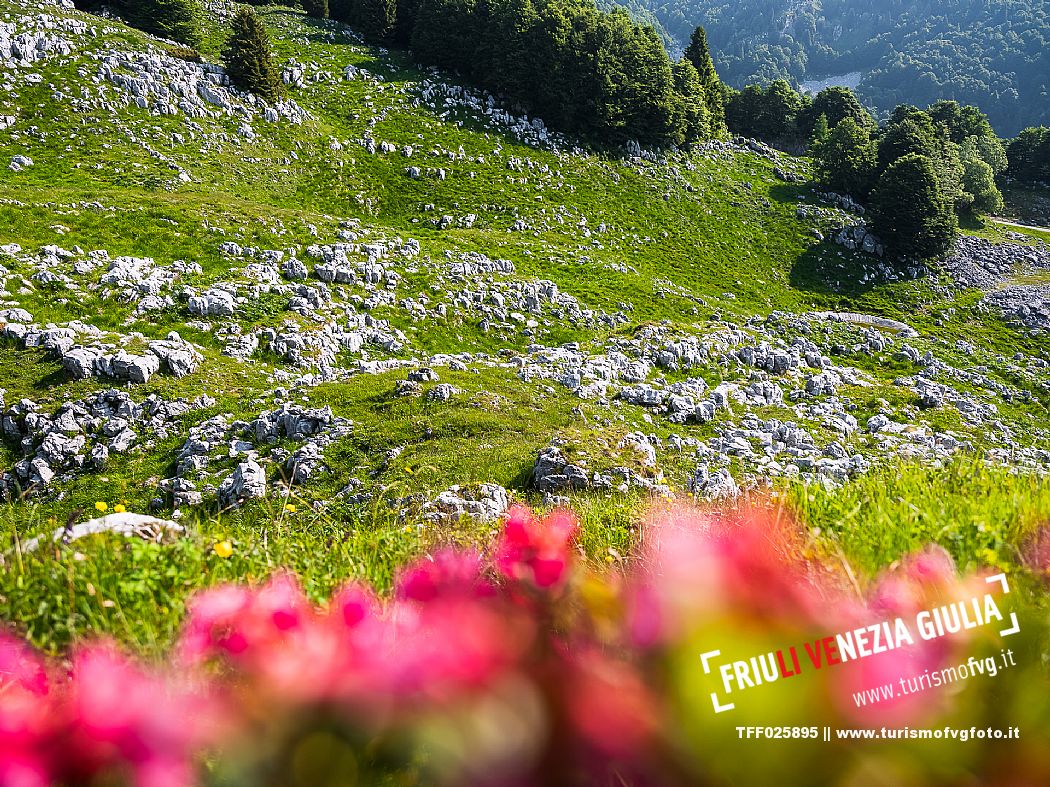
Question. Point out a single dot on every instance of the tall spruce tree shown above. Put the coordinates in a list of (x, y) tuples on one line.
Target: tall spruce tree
[(780, 110), (505, 61), (405, 21), (699, 55), (820, 132), (695, 117), (340, 10), (247, 57), (909, 211), (445, 34), (178, 20), (374, 18), (643, 101)]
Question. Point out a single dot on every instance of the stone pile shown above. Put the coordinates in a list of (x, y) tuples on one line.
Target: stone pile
[(82, 435), (1024, 307), (484, 503), (980, 263), (857, 238), (253, 443)]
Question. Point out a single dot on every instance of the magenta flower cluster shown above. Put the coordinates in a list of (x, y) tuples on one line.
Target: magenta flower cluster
[(520, 666)]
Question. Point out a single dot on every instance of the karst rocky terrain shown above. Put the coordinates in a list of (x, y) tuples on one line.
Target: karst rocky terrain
[(389, 287)]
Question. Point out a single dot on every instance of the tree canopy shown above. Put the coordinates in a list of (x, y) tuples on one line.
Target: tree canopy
[(909, 211), (247, 56), (992, 54)]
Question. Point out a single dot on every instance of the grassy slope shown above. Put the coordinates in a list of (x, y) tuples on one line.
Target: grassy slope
[(711, 225)]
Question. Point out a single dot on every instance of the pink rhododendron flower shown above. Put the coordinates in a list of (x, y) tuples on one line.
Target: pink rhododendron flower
[(445, 574), (932, 567), (536, 550), (120, 718), (25, 716), (591, 671), (353, 604), (746, 563), (236, 622), (612, 708), (212, 623), (895, 595)]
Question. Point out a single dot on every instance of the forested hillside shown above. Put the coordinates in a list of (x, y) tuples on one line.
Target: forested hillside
[(992, 53)]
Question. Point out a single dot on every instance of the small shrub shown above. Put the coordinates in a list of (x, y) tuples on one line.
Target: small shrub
[(187, 53)]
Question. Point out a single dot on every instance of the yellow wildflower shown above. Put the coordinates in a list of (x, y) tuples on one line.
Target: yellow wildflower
[(119, 508), (223, 549), (101, 505)]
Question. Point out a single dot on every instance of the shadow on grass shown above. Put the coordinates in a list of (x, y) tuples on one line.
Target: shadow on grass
[(52, 380), (821, 271), (523, 478), (785, 193)]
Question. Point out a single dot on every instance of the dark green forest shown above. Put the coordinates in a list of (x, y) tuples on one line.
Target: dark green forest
[(994, 54)]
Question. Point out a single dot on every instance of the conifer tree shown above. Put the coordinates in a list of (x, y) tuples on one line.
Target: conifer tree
[(405, 20), (247, 57), (699, 55), (341, 10), (820, 132), (445, 34), (176, 19), (374, 18), (693, 101)]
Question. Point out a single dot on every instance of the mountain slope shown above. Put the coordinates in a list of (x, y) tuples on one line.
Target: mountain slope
[(395, 304)]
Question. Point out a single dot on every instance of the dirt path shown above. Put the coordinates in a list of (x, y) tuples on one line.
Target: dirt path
[(1007, 223)]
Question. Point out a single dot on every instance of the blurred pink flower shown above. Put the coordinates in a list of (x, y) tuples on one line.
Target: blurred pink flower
[(25, 716), (895, 595), (211, 623), (353, 604), (538, 551), (610, 705), (746, 563), (445, 574), (120, 719), (235, 622), (591, 665), (933, 566)]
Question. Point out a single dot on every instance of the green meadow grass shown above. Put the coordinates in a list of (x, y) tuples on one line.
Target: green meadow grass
[(721, 228), (136, 591)]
